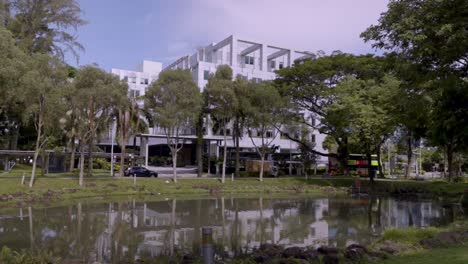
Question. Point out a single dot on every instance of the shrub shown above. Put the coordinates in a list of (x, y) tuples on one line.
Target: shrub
[(409, 236)]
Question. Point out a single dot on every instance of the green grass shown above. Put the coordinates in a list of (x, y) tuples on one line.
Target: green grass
[(452, 255), (409, 236)]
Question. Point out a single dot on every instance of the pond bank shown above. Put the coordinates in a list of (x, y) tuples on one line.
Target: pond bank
[(48, 190), (434, 245)]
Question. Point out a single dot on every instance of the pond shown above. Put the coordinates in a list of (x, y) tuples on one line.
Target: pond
[(124, 231)]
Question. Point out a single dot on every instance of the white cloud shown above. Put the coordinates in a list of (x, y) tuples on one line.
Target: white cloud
[(301, 24)]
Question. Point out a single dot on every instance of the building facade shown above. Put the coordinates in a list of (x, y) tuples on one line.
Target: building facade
[(252, 60), (255, 61)]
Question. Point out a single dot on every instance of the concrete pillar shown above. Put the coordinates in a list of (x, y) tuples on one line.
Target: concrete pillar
[(233, 50), (263, 57), (207, 245), (144, 148), (290, 58), (147, 153)]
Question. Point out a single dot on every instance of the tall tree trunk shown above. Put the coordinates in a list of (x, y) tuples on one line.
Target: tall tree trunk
[(450, 161), (343, 154), (36, 150), (174, 163), (122, 145), (379, 160), (72, 154), (223, 171), (199, 146), (82, 163), (90, 156), (370, 172), (236, 142), (262, 161), (409, 153)]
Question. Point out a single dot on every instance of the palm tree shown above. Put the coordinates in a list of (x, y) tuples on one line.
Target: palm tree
[(131, 119)]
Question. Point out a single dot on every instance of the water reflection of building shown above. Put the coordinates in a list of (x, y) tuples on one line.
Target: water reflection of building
[(124, 231)]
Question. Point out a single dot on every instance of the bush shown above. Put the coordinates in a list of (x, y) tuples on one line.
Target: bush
[(8, 256), (249, 174), (409, 235), (159, 161)]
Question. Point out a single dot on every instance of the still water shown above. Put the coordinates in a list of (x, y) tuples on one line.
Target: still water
[(119, 231)]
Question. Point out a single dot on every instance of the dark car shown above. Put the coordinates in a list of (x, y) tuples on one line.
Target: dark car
[(140, 172)]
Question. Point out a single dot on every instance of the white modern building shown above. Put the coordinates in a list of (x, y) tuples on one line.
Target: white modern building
[(253, 60), (139, 80)]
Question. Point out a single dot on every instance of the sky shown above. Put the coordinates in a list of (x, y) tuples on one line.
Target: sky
[(121, 34)]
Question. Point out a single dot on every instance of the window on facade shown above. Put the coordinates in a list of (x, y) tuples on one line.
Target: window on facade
[(125, 78), (206, 75), (132, 80), (256, 80), (281, 65), (143, 81), (249, 60), (312, 138), (269, 134), (272, 64), (312, 121)]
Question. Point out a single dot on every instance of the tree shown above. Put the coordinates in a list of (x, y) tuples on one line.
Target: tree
[(41, 26), (14, 63), (411, 102), (449, 126), (263, 118), (130, 120), (41, 99), (310, 86), (94, 95), (241, 91), (174, 102), (222, 103), (368, 105), (431, 34)]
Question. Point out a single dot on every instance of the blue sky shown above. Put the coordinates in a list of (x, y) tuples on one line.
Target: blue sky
[(120, 34)]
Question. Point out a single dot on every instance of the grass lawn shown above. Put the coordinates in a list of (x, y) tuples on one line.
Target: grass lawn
[(64, 186), (452, 255)]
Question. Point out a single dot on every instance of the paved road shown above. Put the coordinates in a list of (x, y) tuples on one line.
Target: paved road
[(166, 172)]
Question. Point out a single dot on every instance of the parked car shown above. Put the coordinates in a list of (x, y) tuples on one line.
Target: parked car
[(140, 172)]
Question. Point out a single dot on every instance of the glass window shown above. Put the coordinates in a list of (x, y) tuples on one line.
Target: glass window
[(125, 78), (143, 81), (272, 64), (249, 60), (281, 65), (312, 138), (132, 80)]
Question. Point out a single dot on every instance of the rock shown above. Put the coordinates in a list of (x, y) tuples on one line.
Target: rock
[(330, 259), (429, 243), (355, 252), (390, 247), (292, 252), (310, 255), (271, 250), (327, 250), (448, 238), (188, 259), (266, 252), (293, 261)]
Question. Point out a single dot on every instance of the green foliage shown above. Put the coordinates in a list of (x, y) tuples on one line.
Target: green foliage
[(409, 236), (42, 26), (430, 32), (174, 100), (8, 256)]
